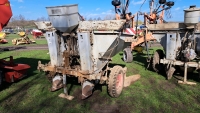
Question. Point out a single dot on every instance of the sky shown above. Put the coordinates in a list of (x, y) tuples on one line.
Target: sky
[(33, 9)]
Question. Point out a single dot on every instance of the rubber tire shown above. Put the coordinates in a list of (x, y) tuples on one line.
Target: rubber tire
[(113, 90), (127, 55), (156, 65)]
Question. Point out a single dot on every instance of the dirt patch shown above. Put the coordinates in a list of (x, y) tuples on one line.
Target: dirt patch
[(151, 80), (105, 108), (166, 85), (178, 106), (98, 103), (133, 70)]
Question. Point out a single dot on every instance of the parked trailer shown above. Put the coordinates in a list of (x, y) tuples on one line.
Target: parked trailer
[(84, 49)]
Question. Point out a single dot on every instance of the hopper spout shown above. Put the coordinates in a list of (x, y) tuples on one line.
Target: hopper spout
[(87, 89)]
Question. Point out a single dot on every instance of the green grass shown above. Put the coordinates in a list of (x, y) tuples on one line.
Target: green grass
[(151, 93), (10, 37)]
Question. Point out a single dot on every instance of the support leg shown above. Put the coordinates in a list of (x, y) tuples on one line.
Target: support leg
[(65, 94), (185, 77)]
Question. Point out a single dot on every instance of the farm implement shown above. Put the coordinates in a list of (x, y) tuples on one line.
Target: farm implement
[(23, 40), (9, 71), (76, 50), (180, 42)]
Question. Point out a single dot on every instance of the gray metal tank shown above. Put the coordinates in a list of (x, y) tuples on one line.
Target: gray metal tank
[(191, 16), (64, 18)]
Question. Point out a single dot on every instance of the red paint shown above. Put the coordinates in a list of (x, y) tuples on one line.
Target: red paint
[(36, 33), (119, 82), (132, 31), (12, 71), (5, 13), (3, 41)]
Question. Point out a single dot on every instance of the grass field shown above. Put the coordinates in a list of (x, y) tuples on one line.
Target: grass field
[(9, 38), (152, 93)]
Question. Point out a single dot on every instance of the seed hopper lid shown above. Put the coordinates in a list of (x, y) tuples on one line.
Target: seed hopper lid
[(192, 8)]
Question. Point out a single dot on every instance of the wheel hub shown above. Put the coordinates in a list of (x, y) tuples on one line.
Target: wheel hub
[(124, 55)]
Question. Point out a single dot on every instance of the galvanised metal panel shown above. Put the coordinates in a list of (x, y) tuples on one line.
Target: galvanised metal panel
[(85, 51), (64, 18), (62, 10), (171, 46), (54, 51)]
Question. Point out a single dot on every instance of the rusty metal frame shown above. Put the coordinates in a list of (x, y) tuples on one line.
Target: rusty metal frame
[(186, 65), (180, 63), (67, 71)]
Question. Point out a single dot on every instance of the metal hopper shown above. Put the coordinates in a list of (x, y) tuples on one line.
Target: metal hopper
[(64, 18), (84, 49)]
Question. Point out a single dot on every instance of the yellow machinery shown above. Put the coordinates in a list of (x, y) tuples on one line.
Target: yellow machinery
[(23, 40), (21, 34), (2, 35), (139, 49)]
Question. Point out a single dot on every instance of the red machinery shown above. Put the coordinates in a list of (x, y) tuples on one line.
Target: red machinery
[(12, 71), (37, 33), (9, 70), (5, 13), (3, 41)]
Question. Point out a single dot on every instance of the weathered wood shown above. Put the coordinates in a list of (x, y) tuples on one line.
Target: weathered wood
[(189, 83), (131, 79), (68, 97)]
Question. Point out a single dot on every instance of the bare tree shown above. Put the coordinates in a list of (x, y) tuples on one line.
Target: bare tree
[(99, 18), (19, 21), (42, 19), (90, 19), (109, 17)]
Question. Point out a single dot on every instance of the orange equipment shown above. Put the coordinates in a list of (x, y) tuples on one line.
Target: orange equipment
[(152, 17), (130, 19), (141, 40), (5, 13)]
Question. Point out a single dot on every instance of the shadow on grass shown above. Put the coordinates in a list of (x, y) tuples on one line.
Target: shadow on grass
[(13, 48), (21, 92), (33, 63)]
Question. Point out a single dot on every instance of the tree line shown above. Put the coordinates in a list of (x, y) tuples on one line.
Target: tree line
[(21, 22)]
